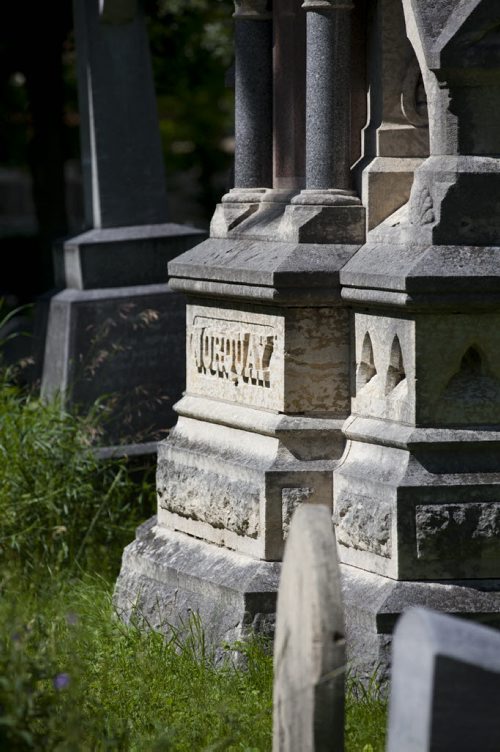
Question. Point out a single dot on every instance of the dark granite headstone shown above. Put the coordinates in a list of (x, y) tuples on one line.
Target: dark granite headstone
[(445, 691)]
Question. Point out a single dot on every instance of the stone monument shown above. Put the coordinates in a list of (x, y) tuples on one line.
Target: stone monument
[(116, 328), (274, 356), (267, 385), (417, 495)]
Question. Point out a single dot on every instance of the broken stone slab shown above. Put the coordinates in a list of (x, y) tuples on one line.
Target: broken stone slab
[(445, 685), (309, 647)]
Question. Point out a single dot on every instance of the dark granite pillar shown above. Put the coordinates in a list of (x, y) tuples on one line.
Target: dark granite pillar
[(254, 94), (328, 93), (327, 211), (253, 164)]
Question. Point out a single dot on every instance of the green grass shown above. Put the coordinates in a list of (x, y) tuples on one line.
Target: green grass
[(76, 678), (72, 676)]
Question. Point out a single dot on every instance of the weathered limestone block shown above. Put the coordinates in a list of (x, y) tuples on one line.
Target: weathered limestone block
[(266, 393), (166, 576), (290, 361)]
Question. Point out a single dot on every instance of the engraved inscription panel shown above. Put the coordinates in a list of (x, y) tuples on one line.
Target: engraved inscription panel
[(238, 351), (236, 355)]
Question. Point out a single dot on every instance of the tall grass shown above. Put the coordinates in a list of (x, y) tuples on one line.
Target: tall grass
[(72, 676), (75, 678), (60, 506)]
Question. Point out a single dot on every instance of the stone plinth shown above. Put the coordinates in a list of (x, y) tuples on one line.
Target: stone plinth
[(417, 495), (267, 391), (166, 575)]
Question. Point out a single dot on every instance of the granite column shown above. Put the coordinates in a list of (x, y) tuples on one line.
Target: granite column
[(253, 166), (327, 210)]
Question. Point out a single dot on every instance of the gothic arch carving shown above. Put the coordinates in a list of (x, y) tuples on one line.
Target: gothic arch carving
[(366, 368), (396, 371)]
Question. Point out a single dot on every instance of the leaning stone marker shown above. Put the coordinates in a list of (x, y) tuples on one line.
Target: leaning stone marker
[(445, 692), (309, 649)]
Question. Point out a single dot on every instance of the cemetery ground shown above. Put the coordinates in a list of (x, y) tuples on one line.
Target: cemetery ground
[(72, 675)]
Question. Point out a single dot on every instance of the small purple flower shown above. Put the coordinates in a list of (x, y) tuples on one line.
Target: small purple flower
[(61, 681), (72, 619)]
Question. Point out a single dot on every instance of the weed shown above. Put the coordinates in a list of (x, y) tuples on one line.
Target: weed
[(72, 675), (60, 505)]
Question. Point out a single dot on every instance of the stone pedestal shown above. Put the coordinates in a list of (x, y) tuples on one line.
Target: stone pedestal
[(267, 391), (417, 494), (268, 366)]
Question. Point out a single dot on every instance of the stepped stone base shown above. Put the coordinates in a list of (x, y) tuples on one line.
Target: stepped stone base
[(373, 603), (166, 576)]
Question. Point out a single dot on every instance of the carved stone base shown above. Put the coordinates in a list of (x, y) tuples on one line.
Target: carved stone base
[(419, 504), (166, 576), (234, 475), (323, 224), (373, 603)]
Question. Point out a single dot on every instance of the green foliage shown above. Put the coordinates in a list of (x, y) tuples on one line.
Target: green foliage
[(60, 505), (366, 715), (192, 46), (73, 677)]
